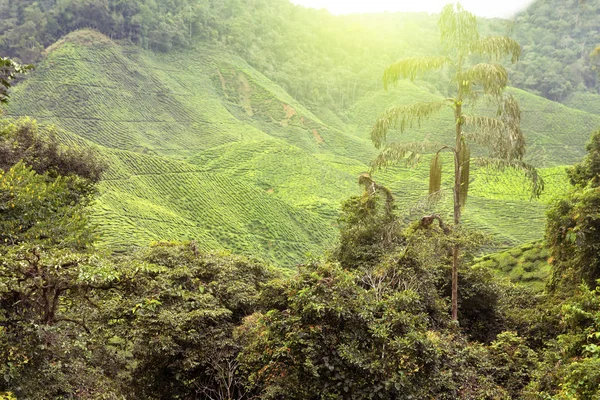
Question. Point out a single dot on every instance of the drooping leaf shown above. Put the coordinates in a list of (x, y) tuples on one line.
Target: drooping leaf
[(403, 153), (485, 131), (509, 112), (465, 167), (402, 117), (530, 172), (491, 78), (411, 68), (502, 135), (435, 174), (497, 47)]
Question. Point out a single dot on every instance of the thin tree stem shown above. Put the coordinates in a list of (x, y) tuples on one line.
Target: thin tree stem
[(457, 182)]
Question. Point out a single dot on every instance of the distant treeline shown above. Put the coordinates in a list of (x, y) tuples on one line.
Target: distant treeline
[(318, 58)]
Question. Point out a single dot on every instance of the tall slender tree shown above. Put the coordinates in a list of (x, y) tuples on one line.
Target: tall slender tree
[(471, 82)]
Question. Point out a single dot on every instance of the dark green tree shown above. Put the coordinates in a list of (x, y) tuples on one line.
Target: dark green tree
[(573, 226), (369, 228)]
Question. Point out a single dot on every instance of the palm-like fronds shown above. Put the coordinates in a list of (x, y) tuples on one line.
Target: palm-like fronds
[(411, 68), (509, 112), (492, 78), (403, 117), (485, 131), (403, 153), (458, 27), (484, 126), (530, 172), (497, 47)]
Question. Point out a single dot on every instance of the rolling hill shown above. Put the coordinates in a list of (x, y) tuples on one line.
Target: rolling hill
[(203, 146)]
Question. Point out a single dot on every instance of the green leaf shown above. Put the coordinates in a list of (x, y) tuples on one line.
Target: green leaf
[(492, 78), (411, 68), (403, 117), (497, 47), (403, 153), (435, 174)]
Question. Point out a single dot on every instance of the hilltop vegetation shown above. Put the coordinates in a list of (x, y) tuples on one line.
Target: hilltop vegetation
[(558, 37)]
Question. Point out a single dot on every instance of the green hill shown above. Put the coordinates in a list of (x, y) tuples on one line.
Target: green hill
[(527, 264), (203, 146)]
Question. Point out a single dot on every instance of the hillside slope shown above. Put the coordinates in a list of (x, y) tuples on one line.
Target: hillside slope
[(202, 146)]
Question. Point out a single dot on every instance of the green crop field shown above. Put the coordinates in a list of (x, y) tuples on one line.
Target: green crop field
[(202, 146), (527, 264)]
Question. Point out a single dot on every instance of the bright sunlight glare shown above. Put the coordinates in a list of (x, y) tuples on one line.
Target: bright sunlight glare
[(483, 8)]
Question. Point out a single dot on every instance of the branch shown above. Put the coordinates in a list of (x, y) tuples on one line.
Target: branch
[(403, 117), (411, 68), (74, 321), (427, 220)]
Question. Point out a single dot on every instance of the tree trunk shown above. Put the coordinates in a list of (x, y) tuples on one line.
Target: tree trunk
[(455, 251), (457, 181)]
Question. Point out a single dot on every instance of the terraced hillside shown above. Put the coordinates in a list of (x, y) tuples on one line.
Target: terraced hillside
[(202, 146), (527, 264)]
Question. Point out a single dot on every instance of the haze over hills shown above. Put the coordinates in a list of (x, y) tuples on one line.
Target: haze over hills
[(222, 144)]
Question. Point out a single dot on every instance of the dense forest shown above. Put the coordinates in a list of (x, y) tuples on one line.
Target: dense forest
[(376, 315)]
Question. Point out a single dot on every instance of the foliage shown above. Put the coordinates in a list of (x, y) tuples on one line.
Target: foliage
[(335, 333), (36, 208), (9, 70), (45, 189), (38, 147), (558, 36), (514, 362), (573, 225), (173, 321), (471, 80), (569, 369), (155, 325), (369, 229), (49, 342)]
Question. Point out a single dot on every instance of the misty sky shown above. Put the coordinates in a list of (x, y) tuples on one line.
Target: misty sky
[(484, 8)]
